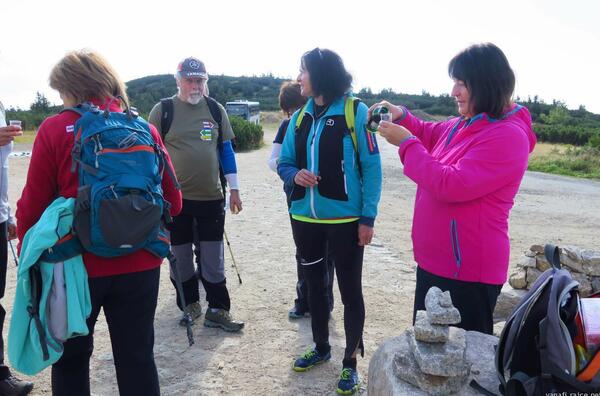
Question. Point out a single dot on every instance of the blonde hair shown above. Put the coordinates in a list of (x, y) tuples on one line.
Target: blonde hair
[(86, 75)]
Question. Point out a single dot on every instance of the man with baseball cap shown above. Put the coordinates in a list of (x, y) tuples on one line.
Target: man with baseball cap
[(198, 138)]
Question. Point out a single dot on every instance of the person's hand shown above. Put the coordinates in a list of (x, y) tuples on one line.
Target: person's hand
[(396, 111), (393, 133), (8, 133), (235, 202), (12, 231), (306, 178), (365, 234)]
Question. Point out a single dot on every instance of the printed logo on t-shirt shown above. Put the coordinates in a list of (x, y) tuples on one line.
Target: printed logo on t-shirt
[(70, 128), (206, 132)]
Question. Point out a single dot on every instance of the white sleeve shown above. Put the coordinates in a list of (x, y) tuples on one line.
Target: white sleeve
[(275, 151)]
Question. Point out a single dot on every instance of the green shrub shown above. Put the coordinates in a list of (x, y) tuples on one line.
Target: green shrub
[(248, 136), (576, 161), (595, 141)]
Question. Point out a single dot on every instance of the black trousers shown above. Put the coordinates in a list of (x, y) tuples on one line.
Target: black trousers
[(312, 241), (4, 371), (201, 221), (129, 303), (475, 301), (301, 301)]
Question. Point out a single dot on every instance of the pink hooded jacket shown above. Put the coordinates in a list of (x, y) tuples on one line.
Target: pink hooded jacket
[(467, 173)]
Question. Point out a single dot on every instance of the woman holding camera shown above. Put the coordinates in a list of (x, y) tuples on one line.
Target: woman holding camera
[(468, 170), (336, 189)]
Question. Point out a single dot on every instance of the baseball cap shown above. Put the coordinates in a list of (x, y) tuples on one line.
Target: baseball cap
[(191, 67)]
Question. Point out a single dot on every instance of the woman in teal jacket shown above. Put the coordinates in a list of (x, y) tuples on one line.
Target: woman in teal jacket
[(336, 189)]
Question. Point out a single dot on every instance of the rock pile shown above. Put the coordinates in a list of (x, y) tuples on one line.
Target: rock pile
[(584, 265), (436, 358)]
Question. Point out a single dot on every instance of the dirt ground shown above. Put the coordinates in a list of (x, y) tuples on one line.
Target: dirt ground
[(258, 360)]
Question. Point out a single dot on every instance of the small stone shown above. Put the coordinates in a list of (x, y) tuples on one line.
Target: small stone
[(591, 262), (570, 256), (595, 285), (220, 366), (585, 286), (518, 280), (445, 300), (427, 332), (529, 253), (437, 313), (537, 248), (532, 275), (445, 360), (541, 263), (527, 262)]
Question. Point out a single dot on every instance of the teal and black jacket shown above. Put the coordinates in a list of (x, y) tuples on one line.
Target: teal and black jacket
[(350, 183), (52, 297)]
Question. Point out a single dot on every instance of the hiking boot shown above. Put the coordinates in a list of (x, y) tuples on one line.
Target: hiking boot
[(192, 312), (349, 382), (310, 359), (12, 386), (297, 313), (222, 318)]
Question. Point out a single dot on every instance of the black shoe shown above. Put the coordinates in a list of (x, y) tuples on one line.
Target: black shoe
[(12, 386)]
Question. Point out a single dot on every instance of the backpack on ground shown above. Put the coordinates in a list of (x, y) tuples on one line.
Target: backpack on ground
[(536, 353), (120, 206), (166, 119), (350, 109)]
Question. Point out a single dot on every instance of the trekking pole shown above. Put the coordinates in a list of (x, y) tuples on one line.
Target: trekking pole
[(232, 258), (187, 317), (12, 249)]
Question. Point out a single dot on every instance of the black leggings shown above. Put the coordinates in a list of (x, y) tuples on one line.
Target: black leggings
[(312, 240), (129, 302), (475, 301)]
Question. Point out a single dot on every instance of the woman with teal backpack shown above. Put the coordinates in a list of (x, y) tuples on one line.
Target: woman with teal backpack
[(336, 188), (124, 287)]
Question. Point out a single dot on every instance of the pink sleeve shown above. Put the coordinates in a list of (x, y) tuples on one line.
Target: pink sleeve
[(497, 158), (426, 131)]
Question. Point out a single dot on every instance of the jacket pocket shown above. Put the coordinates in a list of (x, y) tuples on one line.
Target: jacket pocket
[(455, 245), (331, 162)]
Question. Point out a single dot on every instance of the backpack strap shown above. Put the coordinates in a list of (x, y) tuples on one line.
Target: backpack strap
[(552, 254), (350, 109), (301, 115), (166, 118), (215, 112), (35, 277)]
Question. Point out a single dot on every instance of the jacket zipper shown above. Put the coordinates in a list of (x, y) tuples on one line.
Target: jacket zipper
[(344, 174), (455, 246), (312, 165)]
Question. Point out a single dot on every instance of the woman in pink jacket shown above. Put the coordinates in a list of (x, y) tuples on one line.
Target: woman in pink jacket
[(468, 170)]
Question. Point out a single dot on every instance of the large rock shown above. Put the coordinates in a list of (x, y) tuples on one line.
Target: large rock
[(595, 285), (439, 307), (427, 332), (537, 248), (383, 381), (446, 360)]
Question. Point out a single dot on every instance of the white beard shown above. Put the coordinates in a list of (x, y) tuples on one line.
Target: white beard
[(194, 99)]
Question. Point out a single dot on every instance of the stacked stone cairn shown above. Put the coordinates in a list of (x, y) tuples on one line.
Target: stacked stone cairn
[(436, 358), (583, 264)]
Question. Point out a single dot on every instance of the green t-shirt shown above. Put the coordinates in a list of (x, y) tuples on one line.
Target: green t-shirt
[(192, 146)]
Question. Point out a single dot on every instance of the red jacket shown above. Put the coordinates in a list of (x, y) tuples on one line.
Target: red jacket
[(50, 176)]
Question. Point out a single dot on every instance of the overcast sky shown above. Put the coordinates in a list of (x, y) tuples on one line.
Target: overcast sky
[(552, 45)]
